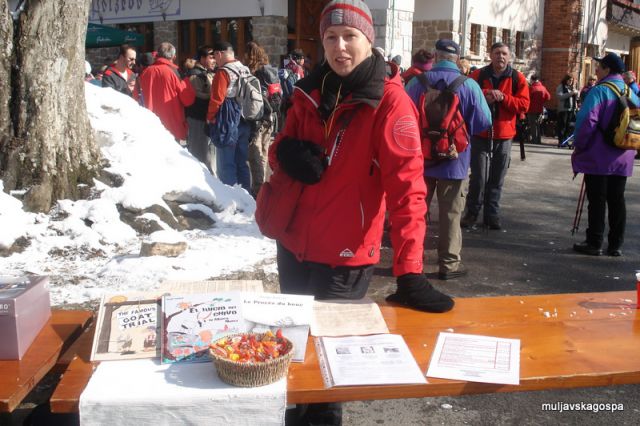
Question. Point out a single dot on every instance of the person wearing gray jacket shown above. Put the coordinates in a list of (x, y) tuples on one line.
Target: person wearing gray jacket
[(567, 96)]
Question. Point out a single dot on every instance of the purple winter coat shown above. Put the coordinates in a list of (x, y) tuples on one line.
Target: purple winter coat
[(592, 155)]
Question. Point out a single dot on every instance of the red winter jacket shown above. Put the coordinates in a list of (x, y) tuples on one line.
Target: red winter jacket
[(339, 220), (166, 95), (539, 95), (504, 124)]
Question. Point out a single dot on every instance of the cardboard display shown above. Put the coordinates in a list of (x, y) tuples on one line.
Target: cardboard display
[(24, 309)]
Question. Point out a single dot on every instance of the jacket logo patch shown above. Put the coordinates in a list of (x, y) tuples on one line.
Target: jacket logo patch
[(406, 133), (346, 253)]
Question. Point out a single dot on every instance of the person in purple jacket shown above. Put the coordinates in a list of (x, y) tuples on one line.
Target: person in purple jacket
[(447, 178), (605, 167)]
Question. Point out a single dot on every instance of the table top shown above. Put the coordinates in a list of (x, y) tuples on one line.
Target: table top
[(567, 340), (584, 339), (18, 378)]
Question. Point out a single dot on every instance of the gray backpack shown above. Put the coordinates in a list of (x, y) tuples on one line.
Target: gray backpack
[(249, 96)]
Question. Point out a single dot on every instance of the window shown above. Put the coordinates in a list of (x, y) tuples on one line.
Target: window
[(474, 42), (506, 37), (520, 36), (491, 38)]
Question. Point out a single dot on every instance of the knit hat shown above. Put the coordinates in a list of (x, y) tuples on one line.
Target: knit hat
[(352, 13)]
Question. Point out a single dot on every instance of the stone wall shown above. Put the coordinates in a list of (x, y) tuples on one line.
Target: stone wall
[(271, 33), (394, 33), (98, 57), (165, 31), (426, 33)]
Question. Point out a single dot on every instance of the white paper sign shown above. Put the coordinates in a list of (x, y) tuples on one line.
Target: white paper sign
[(476, 359)]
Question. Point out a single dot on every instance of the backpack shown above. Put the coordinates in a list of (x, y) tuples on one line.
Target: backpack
[(443, 131), (623, 130), (288, 79), (271, 89), (249, 95)]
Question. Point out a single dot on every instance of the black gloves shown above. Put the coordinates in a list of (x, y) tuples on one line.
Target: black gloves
[(301, 160), (415, 292)]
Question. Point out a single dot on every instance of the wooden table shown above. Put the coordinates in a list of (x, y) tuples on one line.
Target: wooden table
[(584, 339), (18, 378)]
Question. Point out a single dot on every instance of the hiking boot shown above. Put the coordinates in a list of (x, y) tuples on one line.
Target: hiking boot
[(493, 222), (468, 220), (586, 248), (414, 291), (452, 275)]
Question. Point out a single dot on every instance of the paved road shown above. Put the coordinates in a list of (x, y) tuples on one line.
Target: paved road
[(531, 255)]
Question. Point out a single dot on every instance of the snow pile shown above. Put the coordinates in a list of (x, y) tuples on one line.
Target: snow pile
[(13, 220), (84, 246)]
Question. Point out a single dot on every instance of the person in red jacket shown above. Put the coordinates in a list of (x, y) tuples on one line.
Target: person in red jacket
[(349, 151), (538, 95), (507, 93), (166, 94), (421, 61)]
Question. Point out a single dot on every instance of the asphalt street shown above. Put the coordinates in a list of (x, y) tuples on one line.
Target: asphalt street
[(532, 254)]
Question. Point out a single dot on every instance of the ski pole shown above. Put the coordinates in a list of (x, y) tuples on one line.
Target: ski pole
[(567, 140), (579, 206)]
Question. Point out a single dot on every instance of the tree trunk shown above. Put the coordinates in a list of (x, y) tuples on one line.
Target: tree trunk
[(48, 147)]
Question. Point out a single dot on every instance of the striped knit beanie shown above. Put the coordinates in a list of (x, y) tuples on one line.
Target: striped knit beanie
[(352, 13)]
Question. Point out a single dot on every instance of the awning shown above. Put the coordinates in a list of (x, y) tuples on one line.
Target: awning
[(103, 36)]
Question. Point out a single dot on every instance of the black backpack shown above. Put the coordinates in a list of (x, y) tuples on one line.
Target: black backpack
[(271, 89)]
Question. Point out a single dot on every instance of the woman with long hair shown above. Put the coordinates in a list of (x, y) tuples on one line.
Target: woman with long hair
[(257, 60), (567, 95)]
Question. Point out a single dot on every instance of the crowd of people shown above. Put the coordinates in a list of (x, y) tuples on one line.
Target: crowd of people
[(350, 156)]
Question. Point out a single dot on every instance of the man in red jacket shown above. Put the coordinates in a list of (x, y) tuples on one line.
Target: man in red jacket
[(165, 93), (539, 95), (507, 93)]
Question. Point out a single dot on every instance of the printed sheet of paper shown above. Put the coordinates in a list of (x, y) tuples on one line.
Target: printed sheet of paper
[(476, 359), (210, 286), (380, 359), (347, 318)]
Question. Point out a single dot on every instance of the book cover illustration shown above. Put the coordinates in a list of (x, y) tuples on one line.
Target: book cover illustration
[(192, 321), (272, 311), (127, 327)]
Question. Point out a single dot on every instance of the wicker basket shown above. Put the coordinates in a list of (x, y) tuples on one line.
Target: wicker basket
[(251, 374)]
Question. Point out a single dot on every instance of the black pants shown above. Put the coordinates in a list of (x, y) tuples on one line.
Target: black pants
[(606, 192), (323, 282), (564, 126)]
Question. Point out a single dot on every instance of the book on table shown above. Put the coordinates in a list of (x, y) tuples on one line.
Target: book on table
[(127, 327), (290, 313), (191, 322)]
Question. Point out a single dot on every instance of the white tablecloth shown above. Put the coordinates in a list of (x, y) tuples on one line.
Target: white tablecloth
[(139, 392)]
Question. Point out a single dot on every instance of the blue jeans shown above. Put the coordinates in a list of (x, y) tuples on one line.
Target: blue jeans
[(232, 161), (501, 157)]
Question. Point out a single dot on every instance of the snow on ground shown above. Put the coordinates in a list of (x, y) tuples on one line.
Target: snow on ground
[(85, 248)]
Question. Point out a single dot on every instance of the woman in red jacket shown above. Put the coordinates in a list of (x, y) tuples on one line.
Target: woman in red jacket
[(350, 142)]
